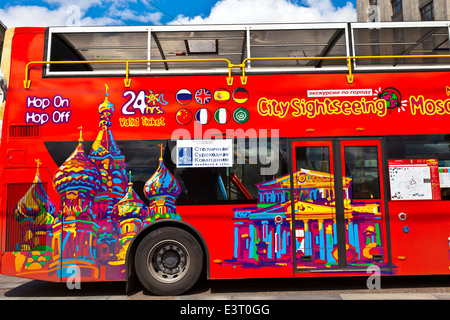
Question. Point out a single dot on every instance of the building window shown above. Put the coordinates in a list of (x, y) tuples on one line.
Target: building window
[(427, 11), (397, 8)]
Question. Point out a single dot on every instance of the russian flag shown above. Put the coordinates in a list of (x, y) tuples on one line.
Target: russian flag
[(203, 116), (184, 96)]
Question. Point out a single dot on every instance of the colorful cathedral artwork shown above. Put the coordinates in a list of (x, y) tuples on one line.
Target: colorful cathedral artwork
[(99, 214), (264, 234)]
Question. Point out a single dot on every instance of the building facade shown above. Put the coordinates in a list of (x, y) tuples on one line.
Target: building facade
[(402, 10)]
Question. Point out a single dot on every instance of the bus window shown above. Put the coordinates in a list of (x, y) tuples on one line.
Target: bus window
[(97, 46), (236, 184), (3, 84), (199, 186), (361, 164), (2, 37), (424, 147), (313, 158)]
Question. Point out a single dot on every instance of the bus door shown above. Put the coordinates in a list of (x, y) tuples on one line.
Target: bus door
[(339, 209)]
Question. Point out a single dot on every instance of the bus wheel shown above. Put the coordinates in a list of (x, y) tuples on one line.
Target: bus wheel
[(168, 261)]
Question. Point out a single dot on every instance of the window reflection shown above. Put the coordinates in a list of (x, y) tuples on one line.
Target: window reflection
[(361, 164)]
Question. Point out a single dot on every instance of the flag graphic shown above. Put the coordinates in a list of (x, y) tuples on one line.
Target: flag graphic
[(203, 116), (241, 115), (202, 96), (184, 96), (221, 95), (240, 95), (184, 116), (222, 115)]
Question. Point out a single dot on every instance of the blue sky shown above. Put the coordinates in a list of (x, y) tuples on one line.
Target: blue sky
[(15, 13)]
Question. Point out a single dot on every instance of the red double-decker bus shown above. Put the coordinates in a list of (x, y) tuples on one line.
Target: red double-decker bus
[(165, 153)]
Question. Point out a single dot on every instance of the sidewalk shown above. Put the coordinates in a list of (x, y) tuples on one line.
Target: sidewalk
[(345, 296)]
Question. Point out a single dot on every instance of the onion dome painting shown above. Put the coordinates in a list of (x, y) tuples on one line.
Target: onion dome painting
[(105, 144), (106, 110), (78, 176), (131, 206), (161, 190), (35, 212)]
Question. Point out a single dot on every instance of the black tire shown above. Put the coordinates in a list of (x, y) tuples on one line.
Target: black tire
[(168, 261)]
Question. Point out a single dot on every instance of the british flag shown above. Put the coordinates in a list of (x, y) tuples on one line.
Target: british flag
[(203, 96)]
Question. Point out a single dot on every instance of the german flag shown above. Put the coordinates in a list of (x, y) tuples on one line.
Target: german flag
[(240, 95), (221, 95)]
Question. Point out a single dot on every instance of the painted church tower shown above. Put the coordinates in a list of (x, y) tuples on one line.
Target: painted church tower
[(162, 189), (109, 161), (35, 212), (77, 181)]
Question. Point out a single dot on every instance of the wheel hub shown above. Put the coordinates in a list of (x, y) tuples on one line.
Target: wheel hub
[(168, 261)]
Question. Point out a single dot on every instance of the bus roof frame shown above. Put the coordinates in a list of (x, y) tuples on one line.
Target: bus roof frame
[(344, 32), (245, 49)]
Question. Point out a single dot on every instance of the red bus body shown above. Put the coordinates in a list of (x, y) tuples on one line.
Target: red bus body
[(239, 240)]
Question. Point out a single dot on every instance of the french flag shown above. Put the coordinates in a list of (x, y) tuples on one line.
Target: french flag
[(203, 116), (184, 96)]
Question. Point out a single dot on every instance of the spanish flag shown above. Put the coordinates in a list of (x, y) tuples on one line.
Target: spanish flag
[(221, 95), (240, 95)]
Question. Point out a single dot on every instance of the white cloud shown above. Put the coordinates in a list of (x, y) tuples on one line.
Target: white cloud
[(36, 16), (272, 11), (127, 14), (31, 16), (83, 4), (120, 12), (69, 12)]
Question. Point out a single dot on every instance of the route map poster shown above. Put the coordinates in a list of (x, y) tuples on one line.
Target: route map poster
[(414, 179), (444, 177)]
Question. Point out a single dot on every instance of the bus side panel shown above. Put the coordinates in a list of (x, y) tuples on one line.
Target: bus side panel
[(18, 180), (234, 253), (31, 203), (420, 243)]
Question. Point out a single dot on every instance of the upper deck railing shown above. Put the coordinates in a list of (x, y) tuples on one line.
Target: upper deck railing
[(245, 49)]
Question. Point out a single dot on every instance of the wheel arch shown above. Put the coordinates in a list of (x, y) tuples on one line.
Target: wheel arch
[(130, 273)]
